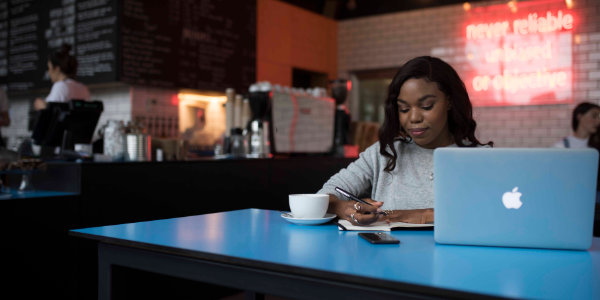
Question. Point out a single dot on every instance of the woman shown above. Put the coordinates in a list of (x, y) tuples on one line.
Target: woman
[(62, 68), (584, 121), (427, 107)]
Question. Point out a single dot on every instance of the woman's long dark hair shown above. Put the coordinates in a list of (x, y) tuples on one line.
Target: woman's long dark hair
[(581, 109), (594, 140), (460, 116), (64, 60)]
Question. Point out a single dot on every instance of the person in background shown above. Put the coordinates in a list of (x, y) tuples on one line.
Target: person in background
[(594, 142), (4, 116), (585, 122), (427, 107), (62, 68)]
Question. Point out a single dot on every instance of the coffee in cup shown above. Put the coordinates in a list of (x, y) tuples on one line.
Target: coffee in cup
[(309, 206)]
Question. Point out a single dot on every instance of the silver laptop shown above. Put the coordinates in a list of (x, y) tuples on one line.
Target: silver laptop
[(514, 197)]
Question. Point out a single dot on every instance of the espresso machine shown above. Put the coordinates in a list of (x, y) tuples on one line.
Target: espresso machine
[(339, 92)]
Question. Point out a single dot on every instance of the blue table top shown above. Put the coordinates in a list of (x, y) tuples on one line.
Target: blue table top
[(16, 194), (264, 236)]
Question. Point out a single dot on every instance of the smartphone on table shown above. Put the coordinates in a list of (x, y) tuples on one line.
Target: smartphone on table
[(379, 238)]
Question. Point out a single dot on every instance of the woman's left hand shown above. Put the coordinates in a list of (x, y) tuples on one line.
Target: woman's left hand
[(415, 216)]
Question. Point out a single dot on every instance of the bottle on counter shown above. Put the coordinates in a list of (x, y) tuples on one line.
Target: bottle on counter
[(229, 116), (255, 140), (229, 110), (246, 113), (237, 111), (258, 141), (114, 138), (238, 143)]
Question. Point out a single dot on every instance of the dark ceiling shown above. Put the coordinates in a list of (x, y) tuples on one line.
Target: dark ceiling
[(347, 9)]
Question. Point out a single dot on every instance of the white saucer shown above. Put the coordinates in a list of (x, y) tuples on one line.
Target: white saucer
[(302, 221)]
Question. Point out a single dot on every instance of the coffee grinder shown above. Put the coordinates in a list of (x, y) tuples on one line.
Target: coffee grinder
[(339, 92), (258, 127)]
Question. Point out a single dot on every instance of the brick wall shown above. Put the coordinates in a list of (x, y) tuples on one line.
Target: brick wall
[(387, 41)]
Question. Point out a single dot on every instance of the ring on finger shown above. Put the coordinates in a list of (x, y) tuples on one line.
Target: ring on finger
[(354, 219), (357, 206)]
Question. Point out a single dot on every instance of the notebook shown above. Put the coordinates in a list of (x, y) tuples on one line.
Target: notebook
[(380, 226), (514, 197)]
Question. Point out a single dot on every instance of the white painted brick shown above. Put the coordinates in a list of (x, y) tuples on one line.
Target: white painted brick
[(579, 95), (595, 94), (594, 37), (512, 141), (594, 56), (594, 75), (590, 84), (586, 47), (548, 141), (581, 57), (559, 132)]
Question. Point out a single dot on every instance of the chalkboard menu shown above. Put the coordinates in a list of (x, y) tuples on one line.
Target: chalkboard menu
[(36, 28), (203, 44), (96, 39), (3, 41), (199, 44)]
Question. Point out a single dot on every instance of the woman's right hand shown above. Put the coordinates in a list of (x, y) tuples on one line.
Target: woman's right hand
[(39, 104), (355, 212)]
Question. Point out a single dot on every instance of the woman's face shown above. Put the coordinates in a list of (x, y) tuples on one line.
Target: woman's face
[(590, 121), (53, 72), (423, 112)]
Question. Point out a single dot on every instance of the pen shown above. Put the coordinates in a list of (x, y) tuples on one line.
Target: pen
[(347, 194)]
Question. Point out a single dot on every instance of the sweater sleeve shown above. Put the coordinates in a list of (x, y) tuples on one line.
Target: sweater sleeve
[(58, 93), (357, 178)]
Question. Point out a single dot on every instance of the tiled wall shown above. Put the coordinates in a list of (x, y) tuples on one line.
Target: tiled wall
[(117, 103), (156, 110), (19, 117), (387, 41)]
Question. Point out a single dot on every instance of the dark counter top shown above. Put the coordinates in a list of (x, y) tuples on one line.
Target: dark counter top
[(119, 192)]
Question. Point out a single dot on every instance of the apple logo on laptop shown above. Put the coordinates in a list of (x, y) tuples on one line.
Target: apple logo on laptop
[(512, 199)]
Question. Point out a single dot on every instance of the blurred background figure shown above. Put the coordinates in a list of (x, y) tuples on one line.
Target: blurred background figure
[(585, 122), (339, 92), (62, 67)]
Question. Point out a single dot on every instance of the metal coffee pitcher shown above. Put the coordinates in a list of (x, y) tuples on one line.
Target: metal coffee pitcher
[(138, 147)]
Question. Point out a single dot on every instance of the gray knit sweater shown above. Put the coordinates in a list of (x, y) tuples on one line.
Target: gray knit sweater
[(408, 186)]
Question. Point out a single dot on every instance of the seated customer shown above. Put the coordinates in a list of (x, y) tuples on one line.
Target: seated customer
[(427, 107), (62, 68), (584, 121)]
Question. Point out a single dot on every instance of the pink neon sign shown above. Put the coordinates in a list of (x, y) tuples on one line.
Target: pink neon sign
[(520, 59)]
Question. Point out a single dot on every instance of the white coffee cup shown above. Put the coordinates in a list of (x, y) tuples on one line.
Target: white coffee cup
[(309, 206)]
